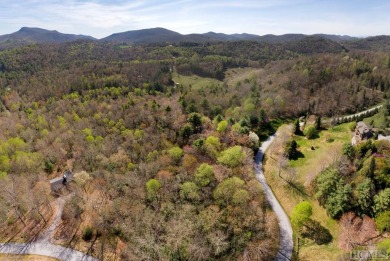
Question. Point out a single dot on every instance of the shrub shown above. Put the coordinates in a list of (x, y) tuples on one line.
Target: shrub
[(87, 233), (311, 133)]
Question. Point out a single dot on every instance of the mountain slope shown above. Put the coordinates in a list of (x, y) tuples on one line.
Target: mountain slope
[(28, 35), (375, 43), (152, 35), (38, 35)]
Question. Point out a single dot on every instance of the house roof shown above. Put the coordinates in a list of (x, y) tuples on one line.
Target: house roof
[(362, 127)]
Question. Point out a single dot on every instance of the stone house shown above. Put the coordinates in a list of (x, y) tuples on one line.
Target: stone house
[(363, 131)]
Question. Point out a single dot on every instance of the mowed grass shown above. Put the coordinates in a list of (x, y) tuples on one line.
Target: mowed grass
[(194, 81), (319, 153), (307, 169)]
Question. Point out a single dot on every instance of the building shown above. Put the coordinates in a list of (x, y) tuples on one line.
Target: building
[(363, 132), (58, 183)]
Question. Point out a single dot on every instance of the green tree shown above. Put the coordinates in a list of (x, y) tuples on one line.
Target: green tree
[(241, 197), (349, 151), (317, 124), (152, 187), (296, 127), (176, 153), (290, 150), (225, 190), (232, 157), (382, 201), (204, 175), (189, 191), (339, 201), (383, 221), (385, 245), (301, 213), (196, 120), (333, 193), (365, 191), (222, 126), (311, 133), (186, 131), (212, 146)]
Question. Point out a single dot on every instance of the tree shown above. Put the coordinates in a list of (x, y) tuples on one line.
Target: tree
[(232, 156), (333, 193), (301, 213), (222, 126), (212, 146), (241, 197), (382, 201), (204, 175), (383, 221), (365, 190), (186, 131), (339, 201), (189, 191), (225, 190), (311, 133), (296, 127), (152, 187), (196, 120), (82, 178), (176, 153), (349, 151), (254, 141), (290, 150), (317, 124)]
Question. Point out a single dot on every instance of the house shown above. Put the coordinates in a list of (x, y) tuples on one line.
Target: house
[(57, 183), (363, 131)]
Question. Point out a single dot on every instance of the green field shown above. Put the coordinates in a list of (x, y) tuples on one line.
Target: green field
[(195, 82), (327, 148)]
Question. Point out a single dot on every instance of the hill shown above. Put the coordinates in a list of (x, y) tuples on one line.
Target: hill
[(28, 35), (375, 43), (153, 35)]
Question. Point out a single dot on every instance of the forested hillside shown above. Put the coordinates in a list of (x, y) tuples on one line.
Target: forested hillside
[(163, 169)]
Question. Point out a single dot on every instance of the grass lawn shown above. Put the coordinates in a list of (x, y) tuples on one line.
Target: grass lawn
[(196, 82), (327, 147)]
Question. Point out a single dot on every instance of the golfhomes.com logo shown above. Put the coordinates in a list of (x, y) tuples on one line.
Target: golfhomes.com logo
[(370, 255)]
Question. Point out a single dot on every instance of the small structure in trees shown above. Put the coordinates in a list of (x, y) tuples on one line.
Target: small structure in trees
[(363, 132), (57, 183)]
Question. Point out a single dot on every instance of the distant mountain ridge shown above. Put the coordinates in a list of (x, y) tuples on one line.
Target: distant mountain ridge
[(28, 35), (155, 35)]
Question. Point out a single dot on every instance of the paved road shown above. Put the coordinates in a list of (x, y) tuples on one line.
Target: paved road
[(350, 117), (286, 233), (43, 247)]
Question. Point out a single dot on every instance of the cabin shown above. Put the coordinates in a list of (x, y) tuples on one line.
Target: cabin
[(58, 183), (363, 131)]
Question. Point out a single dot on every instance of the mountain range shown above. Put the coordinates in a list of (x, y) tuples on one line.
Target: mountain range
[(27, 35)]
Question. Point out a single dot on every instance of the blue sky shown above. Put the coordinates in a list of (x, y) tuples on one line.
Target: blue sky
[(101, 18)]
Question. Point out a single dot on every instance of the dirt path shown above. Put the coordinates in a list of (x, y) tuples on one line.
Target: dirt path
[(42, 246), (286, 233)]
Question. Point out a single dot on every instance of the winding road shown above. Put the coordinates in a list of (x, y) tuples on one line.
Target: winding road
[(286, 233), (42, 246), (351, 116)]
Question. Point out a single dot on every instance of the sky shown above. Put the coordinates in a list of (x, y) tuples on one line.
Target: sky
[(100, 18)]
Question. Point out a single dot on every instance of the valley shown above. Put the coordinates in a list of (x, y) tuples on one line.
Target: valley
[(165, 137)]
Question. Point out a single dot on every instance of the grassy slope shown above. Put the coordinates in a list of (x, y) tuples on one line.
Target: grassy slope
[(196, 82), (307, 169)]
